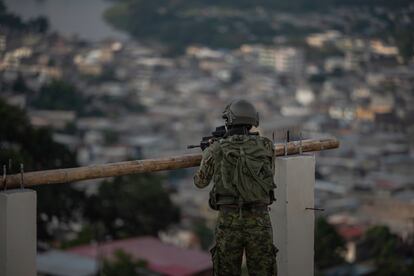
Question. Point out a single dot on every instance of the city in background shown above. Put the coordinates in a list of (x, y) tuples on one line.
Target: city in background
[(91, 82)]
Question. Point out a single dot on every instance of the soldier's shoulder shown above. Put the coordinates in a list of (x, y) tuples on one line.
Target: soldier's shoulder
[(215, 147), (266, 141)]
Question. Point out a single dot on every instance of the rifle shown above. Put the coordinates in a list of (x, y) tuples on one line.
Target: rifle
[(215, 135)]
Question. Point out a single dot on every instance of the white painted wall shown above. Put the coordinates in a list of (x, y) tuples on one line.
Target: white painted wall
[(293, 225), (18, 233)]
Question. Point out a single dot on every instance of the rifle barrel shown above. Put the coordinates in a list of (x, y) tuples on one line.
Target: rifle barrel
[(193, 146)]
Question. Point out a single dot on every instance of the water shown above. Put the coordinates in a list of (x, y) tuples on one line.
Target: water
[(68, 17)]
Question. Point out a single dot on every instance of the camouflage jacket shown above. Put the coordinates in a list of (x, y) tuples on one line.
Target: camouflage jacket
[(210, 168)]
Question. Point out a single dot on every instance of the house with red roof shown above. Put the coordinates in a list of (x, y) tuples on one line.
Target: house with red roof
[(162, 258)]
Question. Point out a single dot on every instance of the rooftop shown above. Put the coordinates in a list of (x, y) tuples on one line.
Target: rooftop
[(162, 258)]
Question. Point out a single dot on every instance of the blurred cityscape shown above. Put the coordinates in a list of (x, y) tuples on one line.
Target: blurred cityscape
[(343, 74)]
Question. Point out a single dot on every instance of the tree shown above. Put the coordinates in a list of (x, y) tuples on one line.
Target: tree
[(123, 264), (22, 143), (10, 20), (2, 7), (205, 234), (35, 148), (19, 85), (59, 95), (179, 24), (378, 242), (328, 245), (387, 250), (39, 24), (405, 42), (131, 205)]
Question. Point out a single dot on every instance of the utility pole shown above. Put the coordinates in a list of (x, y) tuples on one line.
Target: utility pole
[(58, 176)]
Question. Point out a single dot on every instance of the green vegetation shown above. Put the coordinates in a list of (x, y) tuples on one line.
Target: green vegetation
[(161, 21), (205, 234), (33, 147), (39, 24), (19, 85), (59, 95), (124, 207), (391, 255), (386, 251), (122, 264), (216, 23), (111, 137), (21, 143), (329, 245), (87, 234), (399, 32), (131, 206), (404, 38), (293, 5), (62, 95)]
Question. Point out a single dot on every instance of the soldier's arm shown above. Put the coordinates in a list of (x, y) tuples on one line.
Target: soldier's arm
[(271, 147), (273, 159), (205, 173)]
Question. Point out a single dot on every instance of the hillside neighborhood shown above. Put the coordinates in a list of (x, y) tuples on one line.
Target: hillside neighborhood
[(113, 100)]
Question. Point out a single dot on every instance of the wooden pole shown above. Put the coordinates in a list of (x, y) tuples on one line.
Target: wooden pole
[(141, 166)]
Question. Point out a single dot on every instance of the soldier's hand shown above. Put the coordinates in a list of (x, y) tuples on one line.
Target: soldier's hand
[(206, 144)]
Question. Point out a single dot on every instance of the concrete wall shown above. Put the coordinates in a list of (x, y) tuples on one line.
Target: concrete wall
[(18, 233), (293, 225)]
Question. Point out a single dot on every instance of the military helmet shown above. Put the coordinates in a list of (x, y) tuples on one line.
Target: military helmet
[(241, 112)]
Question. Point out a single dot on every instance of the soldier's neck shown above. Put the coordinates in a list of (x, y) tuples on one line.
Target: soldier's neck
[(237, 131)]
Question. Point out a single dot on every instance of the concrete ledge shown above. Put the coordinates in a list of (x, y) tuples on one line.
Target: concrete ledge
[(18, 233)]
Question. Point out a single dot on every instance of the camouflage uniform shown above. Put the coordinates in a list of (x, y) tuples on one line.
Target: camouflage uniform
[(248, 231)]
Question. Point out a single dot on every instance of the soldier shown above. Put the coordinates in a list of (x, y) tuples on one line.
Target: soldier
[(241, 165)]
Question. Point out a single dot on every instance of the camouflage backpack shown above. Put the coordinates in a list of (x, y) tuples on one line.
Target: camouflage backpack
[(247, 168)]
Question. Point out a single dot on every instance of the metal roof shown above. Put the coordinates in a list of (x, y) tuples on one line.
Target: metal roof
[(60, 263), (162, 258)]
